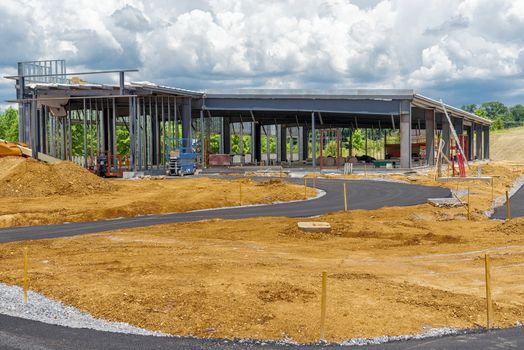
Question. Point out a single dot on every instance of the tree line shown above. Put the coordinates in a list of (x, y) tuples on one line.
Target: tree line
[(503, 116)]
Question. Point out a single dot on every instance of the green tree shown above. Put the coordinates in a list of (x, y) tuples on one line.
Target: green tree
[(495, 109), (481, 112), (517, 112), (471, 108), (497, 124), (358, 141), (214, 143), (9, 125), (123, 140)]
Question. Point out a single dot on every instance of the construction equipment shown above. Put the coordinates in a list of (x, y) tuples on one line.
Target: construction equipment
[(18, 149), (182, 158), (110, 165), (11, 149)]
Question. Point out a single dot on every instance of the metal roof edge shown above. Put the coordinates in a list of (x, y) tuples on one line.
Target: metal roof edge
[(399, 94), (429, 102)]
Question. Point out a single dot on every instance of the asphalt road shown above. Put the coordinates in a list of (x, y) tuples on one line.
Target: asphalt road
[(362, 195), (516, 206), (20, 334)]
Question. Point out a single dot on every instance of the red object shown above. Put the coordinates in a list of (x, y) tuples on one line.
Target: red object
[(219, 159), (462, 169), (452, 164)]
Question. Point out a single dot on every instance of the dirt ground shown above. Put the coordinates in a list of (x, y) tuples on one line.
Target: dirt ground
[(34, 193), (390, 271)]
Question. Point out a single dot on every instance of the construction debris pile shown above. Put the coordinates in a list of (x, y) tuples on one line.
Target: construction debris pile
[(22, 177)]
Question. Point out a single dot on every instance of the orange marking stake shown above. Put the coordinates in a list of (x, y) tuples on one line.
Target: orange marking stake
[(345, 198), (489, 306), (323, 306), (508, 208)]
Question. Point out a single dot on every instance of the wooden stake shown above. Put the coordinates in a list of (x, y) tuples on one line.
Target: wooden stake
[(323, 306), (26, 280), (305, 188), (345, 198), (508, 209), (492, 195), (489, 306), (469, 206)]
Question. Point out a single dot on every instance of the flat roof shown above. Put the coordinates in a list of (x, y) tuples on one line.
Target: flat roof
[(397, 94)]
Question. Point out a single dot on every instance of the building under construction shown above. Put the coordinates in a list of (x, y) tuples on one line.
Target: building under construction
[(300, 124)]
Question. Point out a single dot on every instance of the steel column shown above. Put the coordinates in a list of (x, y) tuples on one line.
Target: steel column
[(405, 134)]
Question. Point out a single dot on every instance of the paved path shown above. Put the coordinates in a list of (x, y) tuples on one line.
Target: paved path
[(516, 206), (362, 195), (21, 334)]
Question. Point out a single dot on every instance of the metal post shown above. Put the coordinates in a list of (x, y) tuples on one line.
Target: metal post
[(313, 140), (164, 155), (121, 74), (268, 144), (430, 136), (202, 140), (157, 133), (91, 137), (132, 132), (176, 118), (486, 142), (114, 143), (85, 133), (405, 134), (96, 126)]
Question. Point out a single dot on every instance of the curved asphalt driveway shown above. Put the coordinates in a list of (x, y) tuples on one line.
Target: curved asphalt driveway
[(20, 334), (516, 206), (362, 195)]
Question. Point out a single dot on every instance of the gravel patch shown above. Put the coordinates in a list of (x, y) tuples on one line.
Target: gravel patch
[(427, 333), (43, 309)]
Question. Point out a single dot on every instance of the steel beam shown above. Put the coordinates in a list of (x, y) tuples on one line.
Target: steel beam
[(405, 134), (430, 136)]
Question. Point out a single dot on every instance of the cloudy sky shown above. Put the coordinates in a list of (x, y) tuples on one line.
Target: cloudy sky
[(462, 51)]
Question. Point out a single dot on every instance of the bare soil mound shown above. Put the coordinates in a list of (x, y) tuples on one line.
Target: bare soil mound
[(22, 177)]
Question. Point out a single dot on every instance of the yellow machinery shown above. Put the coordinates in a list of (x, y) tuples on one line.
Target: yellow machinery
[(11, 149)]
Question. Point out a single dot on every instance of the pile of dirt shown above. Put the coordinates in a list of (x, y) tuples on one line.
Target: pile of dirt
[(513, 227), (22, 177)]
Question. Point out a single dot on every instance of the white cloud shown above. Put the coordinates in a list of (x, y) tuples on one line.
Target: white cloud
[(295, 43)]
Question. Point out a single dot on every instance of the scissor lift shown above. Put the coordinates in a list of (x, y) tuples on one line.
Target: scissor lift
[(182, 157)]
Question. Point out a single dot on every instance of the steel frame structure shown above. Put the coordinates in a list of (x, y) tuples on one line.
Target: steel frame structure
[(51, 105)]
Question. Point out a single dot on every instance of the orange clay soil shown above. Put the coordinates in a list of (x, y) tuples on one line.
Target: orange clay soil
[(34, 193), (390, 271)]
